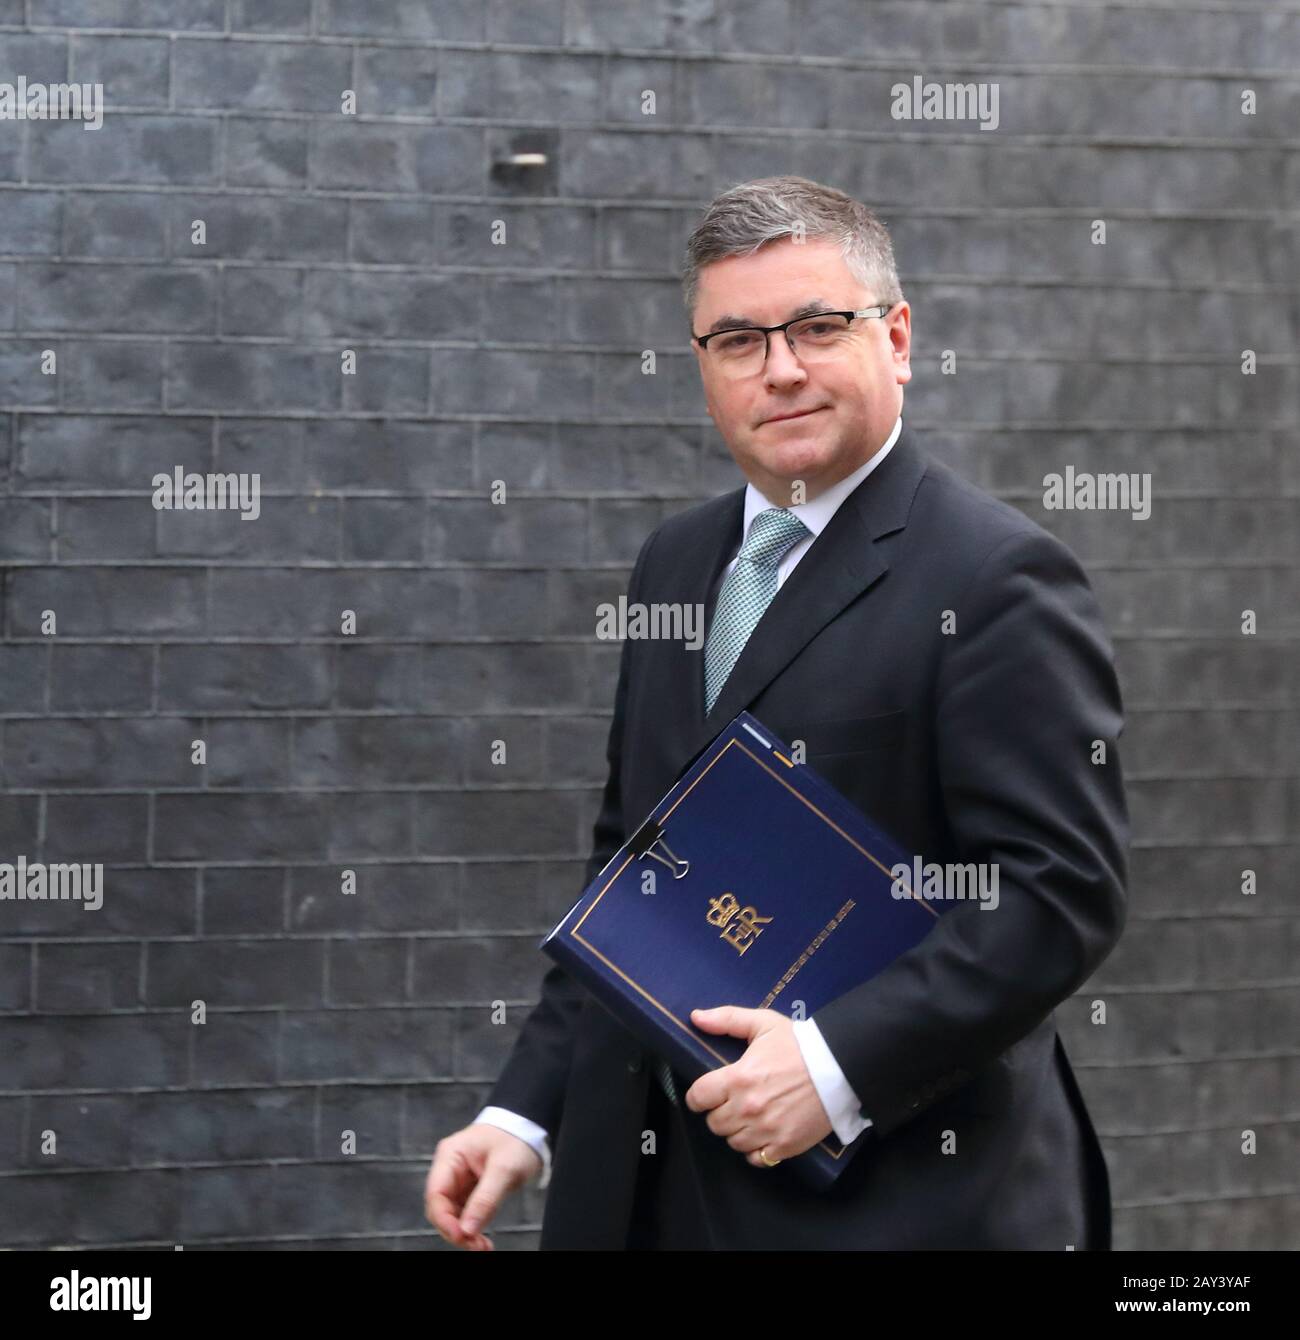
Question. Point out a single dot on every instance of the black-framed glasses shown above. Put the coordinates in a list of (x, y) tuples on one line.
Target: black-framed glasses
[(821, 337)]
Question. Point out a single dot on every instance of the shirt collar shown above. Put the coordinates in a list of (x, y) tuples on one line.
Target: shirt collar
[(817, 513)]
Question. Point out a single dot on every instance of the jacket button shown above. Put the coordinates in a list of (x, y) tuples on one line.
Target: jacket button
[(635, 1065)]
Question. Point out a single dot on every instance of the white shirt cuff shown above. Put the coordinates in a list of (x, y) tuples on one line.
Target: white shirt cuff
[(839, 1100), (529, 1132)]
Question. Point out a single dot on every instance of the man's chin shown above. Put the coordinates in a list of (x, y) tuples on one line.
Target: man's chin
[(797, 460), (779, 476)]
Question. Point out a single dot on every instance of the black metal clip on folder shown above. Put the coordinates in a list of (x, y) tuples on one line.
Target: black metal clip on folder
[(651, 835)]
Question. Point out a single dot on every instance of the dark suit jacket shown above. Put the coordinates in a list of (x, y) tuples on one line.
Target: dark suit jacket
[(975, 744)]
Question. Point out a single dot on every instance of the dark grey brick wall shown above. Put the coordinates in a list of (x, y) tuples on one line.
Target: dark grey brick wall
[(370, 752)]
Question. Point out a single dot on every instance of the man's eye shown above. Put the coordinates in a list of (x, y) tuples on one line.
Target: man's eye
[(741, 339)]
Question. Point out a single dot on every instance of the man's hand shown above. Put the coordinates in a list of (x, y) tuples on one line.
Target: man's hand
[(473, 1170), (767, 1099)]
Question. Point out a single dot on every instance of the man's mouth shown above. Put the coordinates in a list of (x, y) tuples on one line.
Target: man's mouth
[(802, 414)]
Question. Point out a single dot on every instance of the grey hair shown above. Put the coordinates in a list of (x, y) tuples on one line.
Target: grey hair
[(746, 216)]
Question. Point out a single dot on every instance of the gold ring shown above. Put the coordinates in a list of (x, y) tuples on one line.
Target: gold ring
[(771, 1163)]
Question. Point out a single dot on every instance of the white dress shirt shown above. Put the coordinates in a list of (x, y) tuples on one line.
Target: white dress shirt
[(834, 1090)]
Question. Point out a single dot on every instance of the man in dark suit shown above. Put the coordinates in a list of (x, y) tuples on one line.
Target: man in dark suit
[(943, 662)]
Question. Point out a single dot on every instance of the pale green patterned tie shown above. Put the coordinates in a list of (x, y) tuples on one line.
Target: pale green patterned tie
[(746, 593)]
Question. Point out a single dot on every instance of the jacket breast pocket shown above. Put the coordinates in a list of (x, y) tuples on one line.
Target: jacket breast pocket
[(852, 735)]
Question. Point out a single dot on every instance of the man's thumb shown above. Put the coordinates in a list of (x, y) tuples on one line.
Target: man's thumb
[(732, 1019), (488, 1194)]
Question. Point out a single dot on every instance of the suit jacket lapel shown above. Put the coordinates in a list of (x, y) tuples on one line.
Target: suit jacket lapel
[(843, 562), (701, 558)]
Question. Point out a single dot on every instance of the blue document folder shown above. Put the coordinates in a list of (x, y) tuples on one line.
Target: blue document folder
[(753, 882)]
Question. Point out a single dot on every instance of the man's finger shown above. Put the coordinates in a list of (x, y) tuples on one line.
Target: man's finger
[(489, 1193), (444, 1193), (711, 1089), (441, 1213)]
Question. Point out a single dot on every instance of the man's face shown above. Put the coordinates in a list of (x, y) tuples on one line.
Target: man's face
[(856, 397)]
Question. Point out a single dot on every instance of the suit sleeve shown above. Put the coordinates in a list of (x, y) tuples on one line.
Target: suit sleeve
[(1025, 686), (533, 1080)]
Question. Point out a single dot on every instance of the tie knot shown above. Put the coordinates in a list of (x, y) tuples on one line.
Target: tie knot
[(771, 533)]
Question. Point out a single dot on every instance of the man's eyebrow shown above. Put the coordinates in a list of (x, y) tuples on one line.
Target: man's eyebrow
[(805, 309)]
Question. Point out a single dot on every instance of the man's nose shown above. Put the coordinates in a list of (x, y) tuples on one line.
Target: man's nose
[(781, 365)]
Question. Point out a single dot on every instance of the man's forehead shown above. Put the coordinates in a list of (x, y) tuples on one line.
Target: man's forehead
[(780, 281)]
